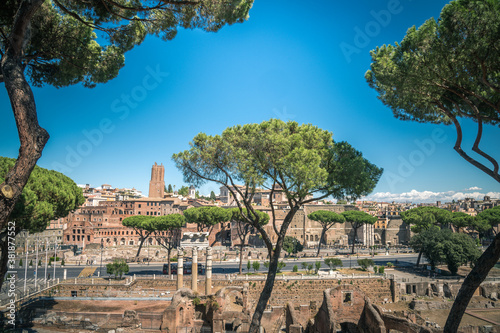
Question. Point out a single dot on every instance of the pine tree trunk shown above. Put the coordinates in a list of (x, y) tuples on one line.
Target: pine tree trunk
[(320, 240), (354, 237), (241, 258), (271, 275), (483, 265), (32, 137), (168, 262), (419, 257), (265, 294), (140, 247)]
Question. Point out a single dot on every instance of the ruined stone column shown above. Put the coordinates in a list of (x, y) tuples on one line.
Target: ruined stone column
[(194, 270), (208, 273), (180, 268)]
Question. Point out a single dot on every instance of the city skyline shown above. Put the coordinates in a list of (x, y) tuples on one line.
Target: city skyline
[(305, 64)]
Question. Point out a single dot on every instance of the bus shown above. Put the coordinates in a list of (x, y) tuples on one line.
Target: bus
[(187, 267)]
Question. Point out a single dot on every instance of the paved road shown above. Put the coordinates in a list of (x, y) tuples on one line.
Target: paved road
[(219, 267)]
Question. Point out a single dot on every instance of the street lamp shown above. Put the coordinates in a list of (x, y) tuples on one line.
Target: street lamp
[(100, 268)]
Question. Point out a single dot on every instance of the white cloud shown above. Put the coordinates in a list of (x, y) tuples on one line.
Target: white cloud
[(429, 196), (473, 188)]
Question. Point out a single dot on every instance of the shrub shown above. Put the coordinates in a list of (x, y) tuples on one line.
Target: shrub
[(375, 269), (117, 268), (62, 262), (21, 262), (295, 268), (39, 262), (381, 270), (173, 259), (365, 263), (31, 262), (196, 301), (333, 262), (390, 264), (256, 266), (281, 265), (317, 264), (249, 265)]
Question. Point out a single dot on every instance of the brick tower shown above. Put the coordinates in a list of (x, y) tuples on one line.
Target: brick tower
[(157, 183)]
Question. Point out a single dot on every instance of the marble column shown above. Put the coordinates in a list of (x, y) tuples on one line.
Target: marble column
[(180, 268), (208, 273), (194, 270)]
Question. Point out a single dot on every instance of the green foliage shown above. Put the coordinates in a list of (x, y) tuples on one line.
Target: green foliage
[(381, 270), (359, 217), (333, 262), (317, 264), (390, 264), (169, 189), (39, 262), (174, 259), (255, 266), (206, 217), (257, 216), (141, 223), (117, 268), (213, 197), (249, 265), (295, 268), (63, 262), (48, 195), (443, 246), (308, 267), (375, 269), (184, 191), (31, 263), (487, 219), (326, 217), (215, 305), (365, 263), (21, 262), (196, 301), (57, 258), (423, 218), (292, 245), (461, 220), (266, 264), (168, 222), (281, 265)]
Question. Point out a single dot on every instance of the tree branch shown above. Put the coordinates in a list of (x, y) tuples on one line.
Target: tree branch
[(458, 145)]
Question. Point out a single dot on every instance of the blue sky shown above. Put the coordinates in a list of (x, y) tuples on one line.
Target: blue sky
[(290, 61)]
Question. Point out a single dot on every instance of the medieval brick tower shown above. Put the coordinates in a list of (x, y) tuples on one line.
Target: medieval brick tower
[(157, 183)]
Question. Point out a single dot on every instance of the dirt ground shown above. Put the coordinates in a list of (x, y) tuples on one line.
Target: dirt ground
[(111, 306)]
